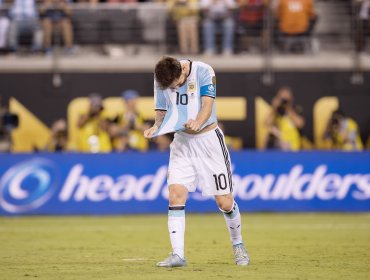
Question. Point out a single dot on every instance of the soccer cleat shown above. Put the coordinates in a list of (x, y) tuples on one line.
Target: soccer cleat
[(173, 260), (241, 254)]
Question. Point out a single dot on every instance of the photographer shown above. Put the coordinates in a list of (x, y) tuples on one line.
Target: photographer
[(8, 122), (59, 138), (284, 123), (94, 127), (343, 132), (127, 129)]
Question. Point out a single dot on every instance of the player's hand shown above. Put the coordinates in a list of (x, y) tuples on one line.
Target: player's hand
[(192, 125), (148, 133)]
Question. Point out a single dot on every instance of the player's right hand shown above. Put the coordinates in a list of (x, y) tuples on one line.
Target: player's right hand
[(148, 133)]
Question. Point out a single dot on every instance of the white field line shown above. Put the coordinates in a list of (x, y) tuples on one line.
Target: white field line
[(134, 259), (312, 226)]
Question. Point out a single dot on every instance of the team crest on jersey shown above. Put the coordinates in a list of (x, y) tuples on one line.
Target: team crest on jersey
[(214, 80), (191, 87)]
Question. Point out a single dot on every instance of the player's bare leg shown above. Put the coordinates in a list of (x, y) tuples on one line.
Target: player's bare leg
[(232, 217), (176, 226)]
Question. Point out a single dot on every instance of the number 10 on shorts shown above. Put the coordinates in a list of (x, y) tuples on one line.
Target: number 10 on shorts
[(220, 181)]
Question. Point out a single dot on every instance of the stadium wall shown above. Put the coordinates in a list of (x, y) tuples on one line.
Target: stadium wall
[(135, 183), (35, 92)]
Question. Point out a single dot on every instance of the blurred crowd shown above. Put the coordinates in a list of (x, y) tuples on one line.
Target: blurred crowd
[(97, 132), (100, 132), (285, 124), (203, 26), (39, 20)]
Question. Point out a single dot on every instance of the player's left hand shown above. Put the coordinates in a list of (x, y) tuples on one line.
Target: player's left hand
[(148, 133), (193, 125)]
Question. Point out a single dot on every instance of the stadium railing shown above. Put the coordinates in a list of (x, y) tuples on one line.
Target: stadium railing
[(335, 30), (144, 24)]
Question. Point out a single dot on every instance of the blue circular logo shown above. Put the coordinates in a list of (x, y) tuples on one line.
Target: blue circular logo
[(28, 185)]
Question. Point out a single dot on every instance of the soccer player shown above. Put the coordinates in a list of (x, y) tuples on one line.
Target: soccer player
[(184, 93)]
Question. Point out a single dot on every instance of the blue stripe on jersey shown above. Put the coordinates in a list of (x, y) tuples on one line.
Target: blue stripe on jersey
[(181, 114), (183, 117), (182, 103), (208, 90)]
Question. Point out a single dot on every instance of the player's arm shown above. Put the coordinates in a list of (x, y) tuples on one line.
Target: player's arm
[(159, 116), (203, 115), (160, 110), (207, 84)]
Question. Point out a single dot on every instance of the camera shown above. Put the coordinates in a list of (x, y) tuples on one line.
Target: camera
[(60, 134), (10, 121), (114, 120), (281, 109), (334, 121), (96, 109)]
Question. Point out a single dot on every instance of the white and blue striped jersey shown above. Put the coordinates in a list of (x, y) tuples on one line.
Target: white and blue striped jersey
[(185, 102)]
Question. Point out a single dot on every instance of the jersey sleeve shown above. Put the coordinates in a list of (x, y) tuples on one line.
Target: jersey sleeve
[(207, 81), (159, 98)]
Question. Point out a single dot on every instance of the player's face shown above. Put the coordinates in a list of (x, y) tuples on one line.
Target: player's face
[(178, 82)]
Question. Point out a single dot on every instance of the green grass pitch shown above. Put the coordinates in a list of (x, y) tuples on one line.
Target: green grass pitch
[(281, 246)]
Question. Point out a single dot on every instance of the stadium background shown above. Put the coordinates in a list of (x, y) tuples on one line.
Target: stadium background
[(309, 87), (332, 73), (56, 208)]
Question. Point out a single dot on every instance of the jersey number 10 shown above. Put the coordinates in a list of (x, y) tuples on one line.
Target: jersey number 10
[(181, 99), (220, 181)]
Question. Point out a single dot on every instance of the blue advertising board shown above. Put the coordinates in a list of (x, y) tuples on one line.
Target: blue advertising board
[(133, 183)]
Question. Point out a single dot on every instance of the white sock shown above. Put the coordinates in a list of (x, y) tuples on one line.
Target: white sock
[(234, 225), (176, 228)]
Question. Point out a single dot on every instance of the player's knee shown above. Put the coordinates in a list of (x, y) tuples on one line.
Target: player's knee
[(225, 205), (177, 196), (176, 199), (225, 202)]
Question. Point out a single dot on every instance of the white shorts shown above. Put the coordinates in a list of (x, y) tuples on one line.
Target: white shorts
[(201, 160)]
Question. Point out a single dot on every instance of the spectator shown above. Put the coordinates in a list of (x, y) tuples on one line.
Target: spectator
[(185, 14), (343, 132), (4, 26), (251, 16), (363, 24), (296, 18), (24, 19), (122, 1), (55, 15), (94, 127), (218, 13), (127, 129), (58, 141), (91, 2), (284, 122)]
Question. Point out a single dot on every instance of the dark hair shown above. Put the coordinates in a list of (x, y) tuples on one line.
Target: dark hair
[(338, 113), (167, 70)]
